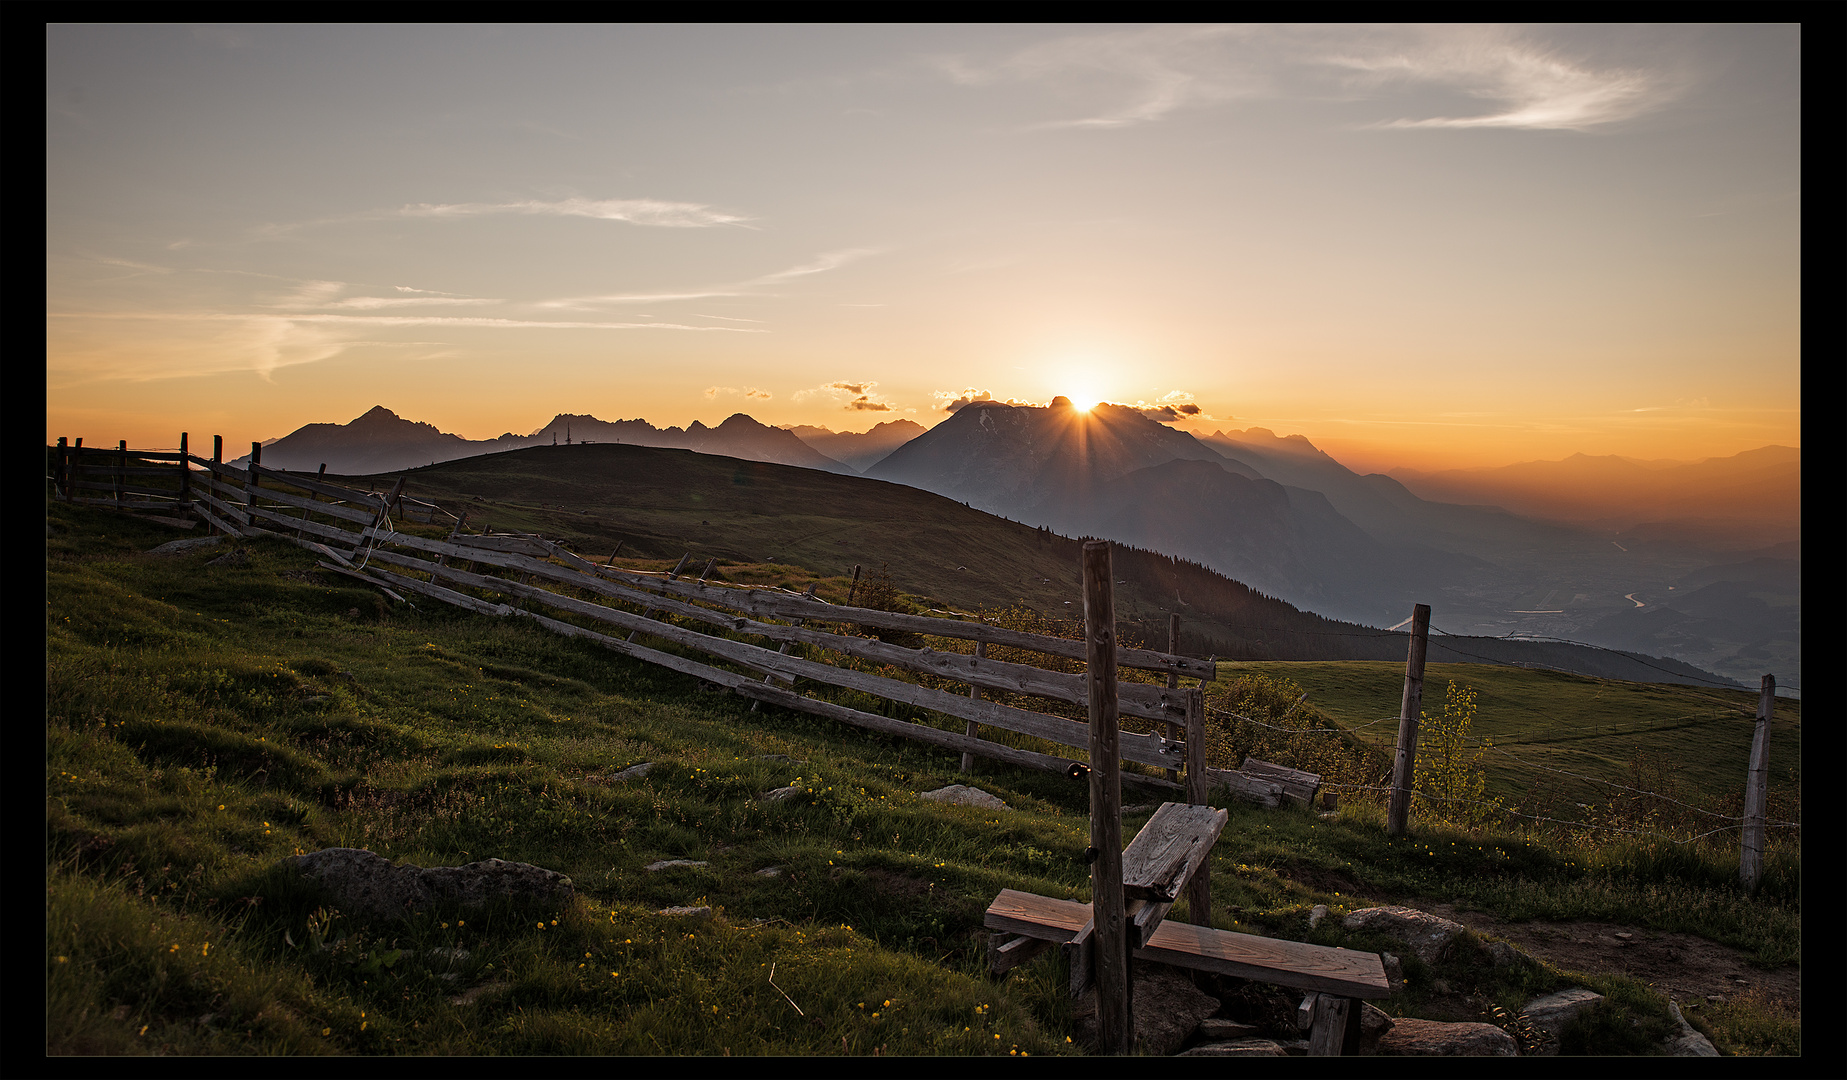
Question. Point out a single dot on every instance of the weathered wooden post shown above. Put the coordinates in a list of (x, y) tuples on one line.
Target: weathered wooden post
[(1173, 683), (1115, 1030), (251, 483), (1409, 713), (1199, 888), (974, 692), (61, 479), (121, 470), (1751, 857), (185, 475)]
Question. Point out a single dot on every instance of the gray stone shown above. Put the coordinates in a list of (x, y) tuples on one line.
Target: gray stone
[(1550, 1014), (1394, 971), (770, 871), (962, 795), (1238, 1048), (1167, 1009), (1216, 1029), (633, 772), (780, 794), (691, 912), (364, 885), (669, 864), (174, 547), (1689, 1043), (233, 558), (1374, 1023), (1433, 1038), (1428, 935), (1316, 914), (1503, 954)]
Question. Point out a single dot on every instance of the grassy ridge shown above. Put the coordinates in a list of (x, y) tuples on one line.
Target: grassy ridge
[(206, 719), (1549, 720)]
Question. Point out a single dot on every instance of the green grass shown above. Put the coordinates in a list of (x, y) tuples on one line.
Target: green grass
[(204, 722)]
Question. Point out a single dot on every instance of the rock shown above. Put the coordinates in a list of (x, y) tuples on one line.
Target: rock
[(770, 871), (368, 886), (1167, 1009), (692, 912), (1689, 1043), (1394, 971), (1238, 1048), (669, 864), (234, 558), (1428, 935), (780, 794), (962, 795), (1503, 954), (633, 772), (1216, 1029), (1374, 1023), (1550, 1014), (1316, 914), (1433, 1038), (174, 547)]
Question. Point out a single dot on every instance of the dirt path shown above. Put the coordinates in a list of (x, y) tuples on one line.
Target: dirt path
[(1682, 966)]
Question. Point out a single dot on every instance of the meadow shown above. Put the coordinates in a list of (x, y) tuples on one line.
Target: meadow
[(206, 719)]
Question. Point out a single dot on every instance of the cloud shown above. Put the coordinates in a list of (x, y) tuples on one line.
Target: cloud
[(1172, 407), (1149, 75), (855, 396), (1165, 68), (1528, 84), (826, 261), (955, 400), (750, 392), (657, 212)]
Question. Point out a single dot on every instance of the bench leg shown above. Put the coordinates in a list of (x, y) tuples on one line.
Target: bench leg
[(1336, 1028), (1008, 951)]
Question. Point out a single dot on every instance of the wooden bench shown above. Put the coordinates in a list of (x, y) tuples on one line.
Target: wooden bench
[(1341, 976)]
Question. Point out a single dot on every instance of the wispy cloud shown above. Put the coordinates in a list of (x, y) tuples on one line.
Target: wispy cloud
[(1527, 84), (822, 263), (658, 212), (1142, 76), (751, 392), (1148, 73)]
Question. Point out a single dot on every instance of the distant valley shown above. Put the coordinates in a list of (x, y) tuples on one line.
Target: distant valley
[(1587, 551)]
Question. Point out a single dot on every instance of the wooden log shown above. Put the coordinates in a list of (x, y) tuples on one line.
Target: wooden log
[(1334, 1029), (974, 691), (1199, 886), (1756, 791), (345, 513), (1264, 793), (1409, 713), (1115, 1021), (320, 486), (1297, 785)]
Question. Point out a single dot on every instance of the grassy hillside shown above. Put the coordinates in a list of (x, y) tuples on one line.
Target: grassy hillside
[(663, 503), (205, 719), (1547, 724)]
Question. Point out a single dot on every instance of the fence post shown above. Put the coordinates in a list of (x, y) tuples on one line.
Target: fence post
[(121, 467), (185, 476), (1173, 683), (1115, 1031), (1410, 711), (974, 692), (251, 483), (1751, 857), (62, 478), (1199, 889)]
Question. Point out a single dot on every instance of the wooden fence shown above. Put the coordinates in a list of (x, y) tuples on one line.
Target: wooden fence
[(749, 628)]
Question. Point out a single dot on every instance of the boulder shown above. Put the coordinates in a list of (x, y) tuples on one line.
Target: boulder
[(1166, 1007), (1217, 1029), (1433, 1038), (365, 885), (1238, 1048), (1689, 1043), (1550, 1014), (1428, 935), (962, 795), (780, 794), (669, 864)]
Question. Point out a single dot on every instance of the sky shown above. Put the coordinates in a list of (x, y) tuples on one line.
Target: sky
[(1421, 247)]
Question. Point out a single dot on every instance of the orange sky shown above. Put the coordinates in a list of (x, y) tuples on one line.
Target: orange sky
[(1419, 246)]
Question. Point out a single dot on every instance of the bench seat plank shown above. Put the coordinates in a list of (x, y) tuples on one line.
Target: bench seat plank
[(1343, 972)]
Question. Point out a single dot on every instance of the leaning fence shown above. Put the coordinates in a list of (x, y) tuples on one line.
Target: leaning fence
[(750, 640)]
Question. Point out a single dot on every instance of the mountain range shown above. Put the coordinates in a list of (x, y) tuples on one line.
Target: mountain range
[(1583, 549)]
